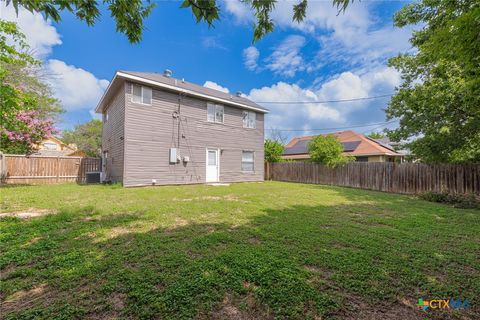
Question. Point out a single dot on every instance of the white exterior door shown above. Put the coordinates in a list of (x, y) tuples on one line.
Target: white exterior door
[(212, 165)]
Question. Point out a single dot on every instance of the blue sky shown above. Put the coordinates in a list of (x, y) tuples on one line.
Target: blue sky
[(327, 57)]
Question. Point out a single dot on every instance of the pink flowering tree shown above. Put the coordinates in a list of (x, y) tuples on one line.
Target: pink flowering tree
[(27, 107), (28, 131)]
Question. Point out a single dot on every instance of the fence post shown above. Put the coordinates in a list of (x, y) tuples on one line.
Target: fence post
[(58, 168)]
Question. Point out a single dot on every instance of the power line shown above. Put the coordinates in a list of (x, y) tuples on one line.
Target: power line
[(337, 128), (325, 101)]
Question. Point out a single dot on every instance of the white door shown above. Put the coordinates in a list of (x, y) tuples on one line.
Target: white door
[(212, 165)]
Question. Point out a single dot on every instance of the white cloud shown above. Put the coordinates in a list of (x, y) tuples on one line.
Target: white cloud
[(250, 58), (216, 86), (212, 43), (240, 10), (39, 33), (348, 85), (348, 40), (74, 87), (286, 59)]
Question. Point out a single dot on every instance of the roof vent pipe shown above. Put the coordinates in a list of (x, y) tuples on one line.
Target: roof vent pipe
[(167, 73), (239, 93)]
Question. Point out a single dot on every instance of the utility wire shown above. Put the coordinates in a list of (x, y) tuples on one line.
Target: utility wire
[(337, 128), (325, 101)]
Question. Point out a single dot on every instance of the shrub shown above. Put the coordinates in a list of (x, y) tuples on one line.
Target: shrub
[(327, 150), (464, 201)]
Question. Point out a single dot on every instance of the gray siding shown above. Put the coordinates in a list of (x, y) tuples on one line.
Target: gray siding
[(151, 130), (113, 134)]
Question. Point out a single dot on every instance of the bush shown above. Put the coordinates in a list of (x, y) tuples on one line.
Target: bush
[(464, 201)]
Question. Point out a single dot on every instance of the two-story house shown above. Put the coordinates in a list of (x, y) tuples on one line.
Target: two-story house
[(159, 130)]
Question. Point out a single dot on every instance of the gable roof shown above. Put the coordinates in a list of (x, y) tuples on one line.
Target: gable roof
[(354, 144), (176, 85)]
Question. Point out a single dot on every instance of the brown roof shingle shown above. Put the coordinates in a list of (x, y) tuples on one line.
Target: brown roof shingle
[(354, 144)]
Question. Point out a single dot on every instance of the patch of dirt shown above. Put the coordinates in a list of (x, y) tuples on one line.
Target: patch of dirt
[(4, 273), (31, 241), (228, 197), (24, 298), (88, 235), (254, 240), (117, 301), (30, 213), (230, 309), (179, 222), (324, 273), (356, 308), (116, 232)]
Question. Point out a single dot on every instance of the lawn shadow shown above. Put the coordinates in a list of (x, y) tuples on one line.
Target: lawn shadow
[(294, 262)]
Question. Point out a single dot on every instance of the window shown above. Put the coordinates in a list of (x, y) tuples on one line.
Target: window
[(247, 161), (141, 94), (105, 118), (249, 118), (215, 113), (50, 146), (212, 158)]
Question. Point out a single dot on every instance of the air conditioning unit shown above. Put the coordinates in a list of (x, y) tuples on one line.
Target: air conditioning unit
[(93, 177)]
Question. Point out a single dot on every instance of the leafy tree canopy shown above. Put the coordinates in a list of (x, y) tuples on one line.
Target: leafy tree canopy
[(27, 107), (376, 135), (438, 101), (327, 150), (130, 15), (87, 137), (273, 151)]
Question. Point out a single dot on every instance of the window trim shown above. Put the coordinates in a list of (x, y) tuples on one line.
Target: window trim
[(215, 105), (253, 162), (248, 116), (141, 95)]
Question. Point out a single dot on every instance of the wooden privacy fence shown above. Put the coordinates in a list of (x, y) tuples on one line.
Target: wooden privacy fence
[(20, 169), (390, 177)]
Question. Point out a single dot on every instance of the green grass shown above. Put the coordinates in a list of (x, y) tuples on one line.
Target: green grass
[(251, 250)]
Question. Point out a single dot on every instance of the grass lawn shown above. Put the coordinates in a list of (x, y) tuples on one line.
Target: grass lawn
[(251, 250)]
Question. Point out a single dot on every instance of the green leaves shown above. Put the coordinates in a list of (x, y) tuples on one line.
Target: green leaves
[(203, 10), (87, 137), (26, 103), (299, 11), (273, 151), (327, 150), (438, 100), (131, 14)]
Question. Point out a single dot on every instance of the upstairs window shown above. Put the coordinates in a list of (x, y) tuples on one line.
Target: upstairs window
[(215, 113), (248, 163), (141, 94), (249, 119), (105, 116)]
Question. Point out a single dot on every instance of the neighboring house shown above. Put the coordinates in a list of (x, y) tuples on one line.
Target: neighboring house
[(159, 130), (364, 149), (56, 148), (394, 145)]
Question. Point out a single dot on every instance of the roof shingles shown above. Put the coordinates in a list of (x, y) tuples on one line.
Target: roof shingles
[(354, 144)]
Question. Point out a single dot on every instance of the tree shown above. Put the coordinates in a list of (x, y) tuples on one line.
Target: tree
[(130, 15), (327, 150), (27, 108), (87, 137), (273, 151), (376, 135), (438, 101)]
